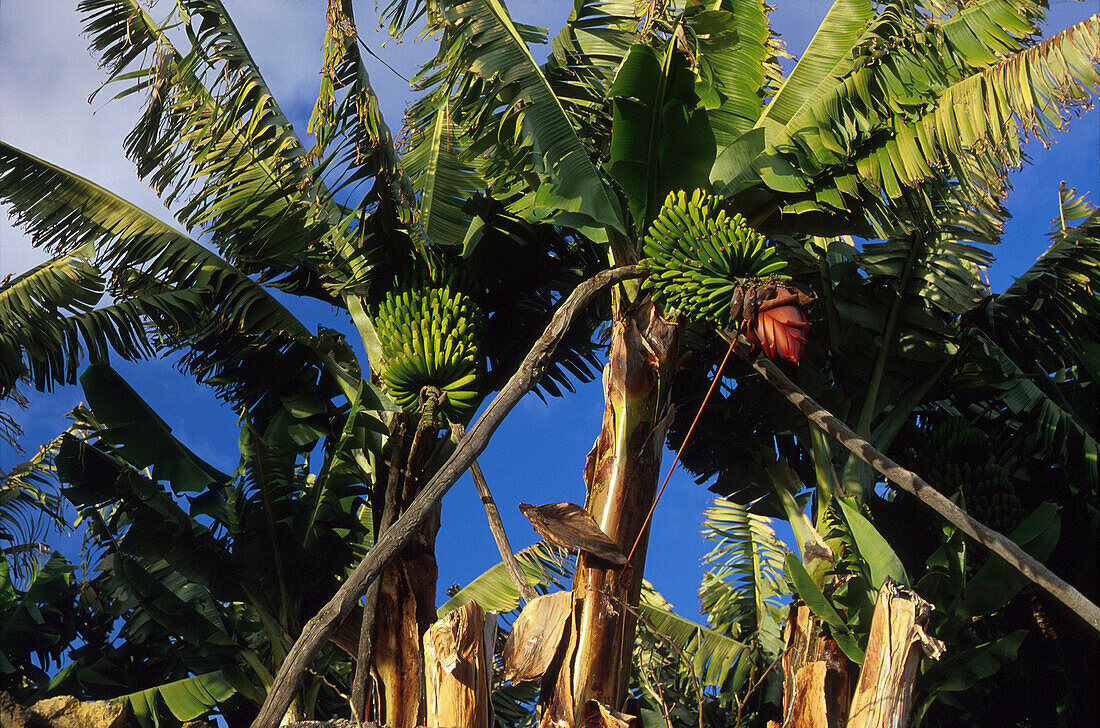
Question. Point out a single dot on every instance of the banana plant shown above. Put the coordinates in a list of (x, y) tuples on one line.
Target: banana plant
[(39, 618), (998, 397), (1034, 348), (220, 151), (281, 216), (862, 136), (213, 561)]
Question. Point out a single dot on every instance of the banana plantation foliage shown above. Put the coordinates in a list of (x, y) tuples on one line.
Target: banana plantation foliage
[(838, 210)]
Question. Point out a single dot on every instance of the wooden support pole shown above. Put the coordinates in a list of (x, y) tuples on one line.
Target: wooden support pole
[(912, 483)]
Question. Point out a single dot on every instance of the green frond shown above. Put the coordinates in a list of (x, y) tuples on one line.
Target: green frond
[(823, 59), (1036, 415), (516, 122), (545, 566), (585, 56), (186, 699), (402, 15), (941, 271), (744, 582), (63, 213), (33, 307), (141, 437), (30, 510), (155, 597), (352, 136), (989, 111), (1035, 351), (69, 283), (94, 476), (523, 270), (48, 323), (212, 140), (745, 71), (223, 319), (661, 139), (1072, 208), (713, 655), (1054, 307), (444, 180), (884, 113)]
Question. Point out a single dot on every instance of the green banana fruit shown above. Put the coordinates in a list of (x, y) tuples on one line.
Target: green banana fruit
[(430, 330), (696, 255)]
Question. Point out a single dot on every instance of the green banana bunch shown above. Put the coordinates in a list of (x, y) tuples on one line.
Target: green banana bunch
[(991, 498), (697, 256), (955, 457), (950, 441), (430, 330)]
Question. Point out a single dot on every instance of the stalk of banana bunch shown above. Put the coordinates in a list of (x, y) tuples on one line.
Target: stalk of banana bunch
[(429, 328)]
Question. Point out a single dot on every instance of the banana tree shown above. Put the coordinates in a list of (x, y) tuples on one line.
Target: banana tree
[(218, 148), (943, 361), (880, 126), (287, 218), (215, 563)]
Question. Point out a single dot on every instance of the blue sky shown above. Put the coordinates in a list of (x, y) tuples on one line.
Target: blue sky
[(537, 455)]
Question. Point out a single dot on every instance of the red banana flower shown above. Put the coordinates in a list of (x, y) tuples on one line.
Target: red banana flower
[(780, 325)]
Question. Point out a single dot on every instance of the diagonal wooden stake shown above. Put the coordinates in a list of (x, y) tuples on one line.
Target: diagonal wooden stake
[(496, 526), (912, 483)]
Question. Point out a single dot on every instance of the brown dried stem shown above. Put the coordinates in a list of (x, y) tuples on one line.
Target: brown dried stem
[(360, 684)]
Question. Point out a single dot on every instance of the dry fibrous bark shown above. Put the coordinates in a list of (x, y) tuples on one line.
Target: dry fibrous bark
[(364, 653), (458, 669), (318, 629), (820, 685), (621, 474), (569, 526), (535, 638), (818, 678), (884, 693), (400, 605)]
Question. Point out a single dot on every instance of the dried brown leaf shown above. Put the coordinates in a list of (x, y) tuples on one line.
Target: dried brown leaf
[(598, 715), (569, 526), (535, 637)]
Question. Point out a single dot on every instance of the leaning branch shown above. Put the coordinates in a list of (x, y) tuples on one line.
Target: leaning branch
[(914, 484), (496, 526), (317, 630)]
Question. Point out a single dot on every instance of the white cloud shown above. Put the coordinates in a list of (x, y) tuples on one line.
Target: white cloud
[(46, 75)]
